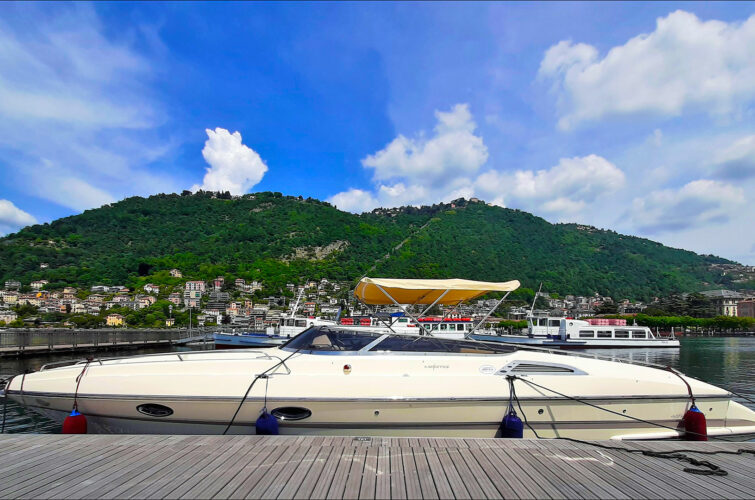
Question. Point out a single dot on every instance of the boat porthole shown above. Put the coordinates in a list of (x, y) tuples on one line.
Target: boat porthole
[(540, 411), (154, 410), (377, 412), (624, 410), (290, 413)]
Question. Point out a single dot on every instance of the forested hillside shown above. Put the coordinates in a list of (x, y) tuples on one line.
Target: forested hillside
[(279, 239)]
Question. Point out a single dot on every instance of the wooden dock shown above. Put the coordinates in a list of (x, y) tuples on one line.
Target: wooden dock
[(123, 466)]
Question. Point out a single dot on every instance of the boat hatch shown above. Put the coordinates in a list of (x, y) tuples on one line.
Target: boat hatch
[(154, 410), (291, 413), (537, 367)]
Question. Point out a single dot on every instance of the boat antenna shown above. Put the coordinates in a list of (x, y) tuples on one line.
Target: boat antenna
[(532, 309)]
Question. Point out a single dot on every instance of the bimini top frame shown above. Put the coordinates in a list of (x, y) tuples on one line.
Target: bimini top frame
[(404, 292)]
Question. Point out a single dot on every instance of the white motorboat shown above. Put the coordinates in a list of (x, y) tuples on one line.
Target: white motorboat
[(339, 381), (569, 333)]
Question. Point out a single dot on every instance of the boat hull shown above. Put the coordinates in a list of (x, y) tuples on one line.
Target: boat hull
[(548, 418)]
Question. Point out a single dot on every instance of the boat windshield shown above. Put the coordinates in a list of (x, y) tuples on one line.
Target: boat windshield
[(328, 339)]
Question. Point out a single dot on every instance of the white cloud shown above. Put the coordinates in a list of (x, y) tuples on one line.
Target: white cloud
[(79, 119), (423, 171), (447, 166), (685, 63), (13, 218), (565, 188), (452, 151), (354, 200), (737, 162), (233, 166), (694, 205)]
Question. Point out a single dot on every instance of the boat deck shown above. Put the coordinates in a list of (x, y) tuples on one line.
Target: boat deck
[(153, 466)]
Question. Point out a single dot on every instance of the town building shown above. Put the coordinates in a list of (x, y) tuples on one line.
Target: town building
[(114, 320), (12, 285), (39, 284), (175, 273), (8, 316), (746, 308), (724, 301), (175, 298), (170, 321), (150, 288)]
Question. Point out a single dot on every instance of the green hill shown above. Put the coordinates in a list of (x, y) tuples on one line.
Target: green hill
[(279, 239)]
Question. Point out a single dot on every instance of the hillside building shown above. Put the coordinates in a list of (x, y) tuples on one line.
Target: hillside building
[(724, 301)]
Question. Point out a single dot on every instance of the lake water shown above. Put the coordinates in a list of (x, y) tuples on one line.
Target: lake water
[(725, 362)]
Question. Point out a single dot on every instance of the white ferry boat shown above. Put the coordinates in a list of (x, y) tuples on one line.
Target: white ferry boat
[(580, 334)]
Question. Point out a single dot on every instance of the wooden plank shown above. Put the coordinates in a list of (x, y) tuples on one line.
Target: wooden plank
[(301, 472), (341, 474), (328, 472), (261, 473), (383, 473), (554, 458), (279, 475), (369, 475), (398, 484), (426, 482), (307, 485), (231, 474), (437, 472), (413, 488), (356, 473), (455, 482), (467, 477), (486, 485)]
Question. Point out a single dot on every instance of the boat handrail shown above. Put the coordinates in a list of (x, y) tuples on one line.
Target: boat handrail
[(176, 354)]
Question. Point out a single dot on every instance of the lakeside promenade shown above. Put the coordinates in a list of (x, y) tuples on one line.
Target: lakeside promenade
[(20, 342)]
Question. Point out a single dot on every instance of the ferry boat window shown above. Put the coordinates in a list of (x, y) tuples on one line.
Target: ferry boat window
[(327, 339), (301, 322), (555, 322), (402, 320), (452, 327), (639, 334), (435, 327), (469, 326), (586, 334), (399, 343), (543, 322), (622, 334), (443, 326), (604, 334)]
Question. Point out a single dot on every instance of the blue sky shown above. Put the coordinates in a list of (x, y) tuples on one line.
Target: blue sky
[(637, 117)]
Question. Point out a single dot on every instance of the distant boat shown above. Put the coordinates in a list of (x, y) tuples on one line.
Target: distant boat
[(568, 333)]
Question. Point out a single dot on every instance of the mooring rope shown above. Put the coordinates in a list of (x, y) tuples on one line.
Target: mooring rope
[(710, 468)]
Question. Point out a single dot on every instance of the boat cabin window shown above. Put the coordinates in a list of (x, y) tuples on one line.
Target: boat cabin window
[(555, 322), (639, 334), (586, 334), (543, 322), (327, 339), (604, 334), (399, 343), (301, 322), (402, 320), (622, 334), (443, 326)]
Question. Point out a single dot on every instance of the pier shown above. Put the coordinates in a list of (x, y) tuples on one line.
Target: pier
[(155, 466), (39, 342)]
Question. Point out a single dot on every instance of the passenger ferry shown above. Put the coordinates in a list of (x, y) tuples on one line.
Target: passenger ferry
[(597, 333)]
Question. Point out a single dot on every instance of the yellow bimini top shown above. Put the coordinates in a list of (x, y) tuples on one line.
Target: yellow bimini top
[(378, 291)]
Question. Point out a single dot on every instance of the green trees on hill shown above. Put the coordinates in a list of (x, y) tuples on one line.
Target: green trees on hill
[(279, 239)]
